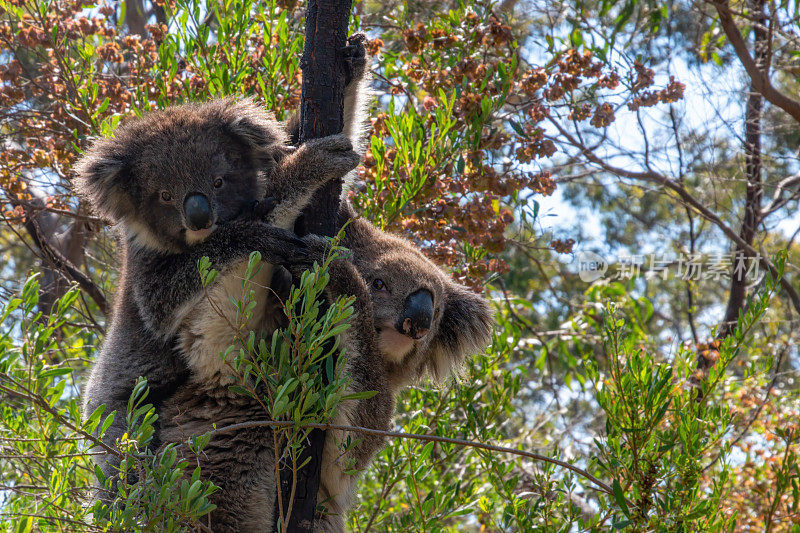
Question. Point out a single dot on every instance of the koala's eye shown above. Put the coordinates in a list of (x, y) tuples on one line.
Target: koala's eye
[(166, 196), (379, 285), (218, 183)]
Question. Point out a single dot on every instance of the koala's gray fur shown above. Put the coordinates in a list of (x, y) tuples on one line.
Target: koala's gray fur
[(380, 356)]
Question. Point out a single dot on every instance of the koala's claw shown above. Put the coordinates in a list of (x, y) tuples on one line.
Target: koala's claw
[(291, 257), (357, 38), (281, 247), (264, 207), (354, 56), (333, 155), (315, 248)]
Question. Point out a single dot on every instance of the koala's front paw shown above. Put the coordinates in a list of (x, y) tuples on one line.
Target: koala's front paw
[(332, 156), (281, 247), (264, 207), (315, 248), (354, 56)]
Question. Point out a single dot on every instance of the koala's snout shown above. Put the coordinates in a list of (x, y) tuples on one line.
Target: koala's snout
[(417, 315), (198, 211)]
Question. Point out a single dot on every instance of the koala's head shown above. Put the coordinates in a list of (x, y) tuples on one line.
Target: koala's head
[(424, 321), (169, 178)]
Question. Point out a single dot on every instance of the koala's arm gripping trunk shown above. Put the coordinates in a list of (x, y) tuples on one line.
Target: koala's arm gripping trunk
[(321, 114)]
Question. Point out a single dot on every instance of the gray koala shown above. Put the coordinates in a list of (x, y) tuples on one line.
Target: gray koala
[(171, 211), (410, 318)]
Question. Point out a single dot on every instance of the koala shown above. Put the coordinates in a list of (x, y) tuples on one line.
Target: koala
[(422, 323), (410, 317), (177, 184)]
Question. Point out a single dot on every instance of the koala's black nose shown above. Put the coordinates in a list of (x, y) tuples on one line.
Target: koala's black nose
[(417, 314), (198, 211)]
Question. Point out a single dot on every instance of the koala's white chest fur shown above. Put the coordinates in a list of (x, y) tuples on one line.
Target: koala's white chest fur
[(211, 326)]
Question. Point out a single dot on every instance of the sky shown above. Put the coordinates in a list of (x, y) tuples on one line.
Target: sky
[(713, 96)]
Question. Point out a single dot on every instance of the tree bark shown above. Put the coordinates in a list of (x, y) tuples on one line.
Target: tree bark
[(321, 114)]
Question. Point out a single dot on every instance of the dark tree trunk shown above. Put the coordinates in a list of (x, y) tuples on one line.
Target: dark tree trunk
[(136, 17), (707, 354), (322, 103), (755, 188), (321, 114)]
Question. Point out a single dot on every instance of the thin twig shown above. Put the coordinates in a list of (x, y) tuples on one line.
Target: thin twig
[(426, 438)]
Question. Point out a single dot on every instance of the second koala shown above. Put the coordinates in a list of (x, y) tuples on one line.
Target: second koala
[(411, 318), (423, 323)]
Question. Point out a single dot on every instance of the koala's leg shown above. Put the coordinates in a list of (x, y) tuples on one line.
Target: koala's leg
[(356, 92), (241, 463), (169, 286), (355, 110), (366, 369), (129, 351), (243, 467), (338, 481)]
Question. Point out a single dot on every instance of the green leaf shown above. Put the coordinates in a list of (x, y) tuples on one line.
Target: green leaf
[(238, 389), (619, 496), (365, 395), (52, 372), (107, 422), (24, 525)]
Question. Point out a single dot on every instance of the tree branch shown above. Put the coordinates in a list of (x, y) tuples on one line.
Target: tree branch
[(688, 199), (52, 255), (778, 200), (63, 264), (760, 79), (414, 436)]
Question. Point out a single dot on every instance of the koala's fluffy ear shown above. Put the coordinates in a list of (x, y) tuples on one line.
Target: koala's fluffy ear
[(465, 328), (102, 178), (256, 128)]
